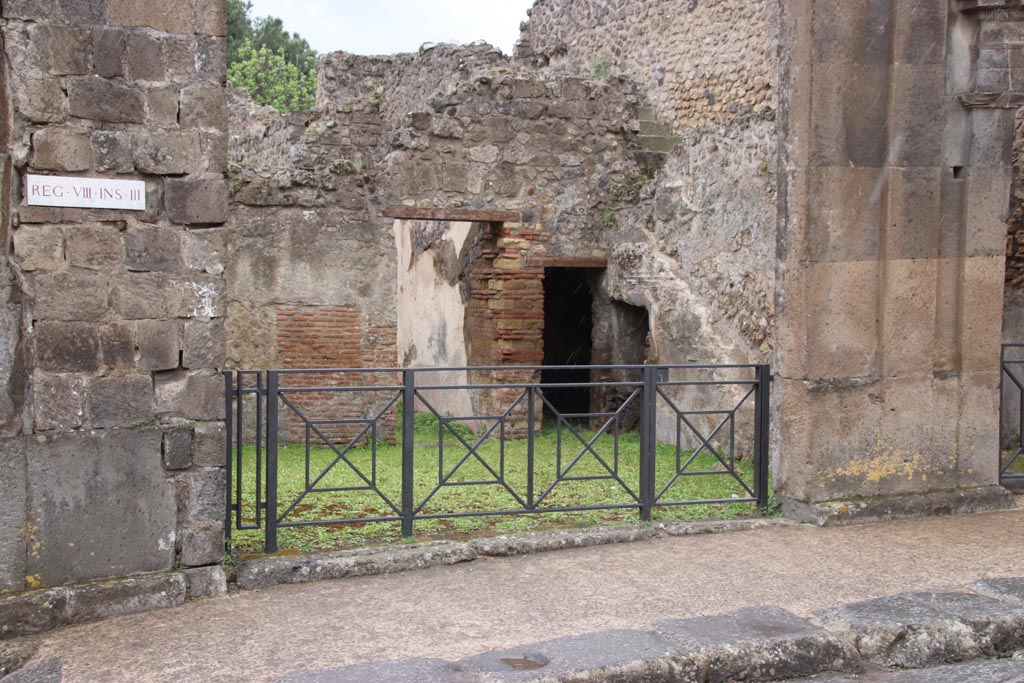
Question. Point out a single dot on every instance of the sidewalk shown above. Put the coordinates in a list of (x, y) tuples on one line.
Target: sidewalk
[(493, 604)]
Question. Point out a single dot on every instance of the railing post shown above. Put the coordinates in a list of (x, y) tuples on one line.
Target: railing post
[(763, 378), (648, 441), (531, 425), (408, 426), (272, 437), (229, 395)]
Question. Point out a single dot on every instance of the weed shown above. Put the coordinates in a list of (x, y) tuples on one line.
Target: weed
[(601, 70), (608, 220)]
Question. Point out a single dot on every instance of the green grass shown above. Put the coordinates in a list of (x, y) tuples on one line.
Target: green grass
[(364, 504)]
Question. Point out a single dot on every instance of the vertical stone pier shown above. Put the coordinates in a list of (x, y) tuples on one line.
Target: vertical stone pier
[(896, 127)]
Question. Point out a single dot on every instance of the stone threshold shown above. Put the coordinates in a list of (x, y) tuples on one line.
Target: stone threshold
[(907, 638)]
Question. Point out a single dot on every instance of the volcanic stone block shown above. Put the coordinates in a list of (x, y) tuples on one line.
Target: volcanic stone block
[(145, 57), (33, 612), (103, 100), (211, 59), (192, 395), (82, 11), (14, 653), (58, 401), (162, 105), (109, 45), (211, 19), (143, 295), (59, 149), (1009, 590), (909, 320), (30, 9), (61, 50), (759, 643), (66, 347), (202, 543), (152, 249), (915, 213), (121, 401), (167, 153), (40, 100), (106, 599), (117, 345), (177, 448), (206, 582), (96, 247), (204, 250), (39, 247), (205, 344), (617, 655), (159, 344), (208, 446), (849, 128), (982, 314), (179, 56), (113, 151), (200, 498), (843, 335), (172, 17), (12, 515), (101, 505), (844, 226), (197, 201), (401, 671), (204, 106)]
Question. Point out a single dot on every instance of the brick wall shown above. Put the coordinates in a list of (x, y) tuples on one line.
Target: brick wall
[(334, 337)]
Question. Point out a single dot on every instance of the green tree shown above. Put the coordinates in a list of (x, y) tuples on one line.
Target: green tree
[(272, 80), (278, 68), (239, 27)]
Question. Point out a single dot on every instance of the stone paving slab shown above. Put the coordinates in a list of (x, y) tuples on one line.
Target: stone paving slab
[(759, 643), (408, 671), (921, 629), (1008, 589), (984, 671)]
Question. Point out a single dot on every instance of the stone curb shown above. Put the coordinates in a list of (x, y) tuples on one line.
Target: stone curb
[(908, 631), (268, 571), (37, 611)]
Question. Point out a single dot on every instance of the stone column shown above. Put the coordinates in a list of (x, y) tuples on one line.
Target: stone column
[(896, 125)]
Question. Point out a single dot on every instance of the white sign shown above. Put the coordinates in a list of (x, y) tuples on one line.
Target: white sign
[(85, 193)]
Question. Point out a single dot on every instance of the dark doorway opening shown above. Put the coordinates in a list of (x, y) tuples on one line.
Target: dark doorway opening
[(568, 335)]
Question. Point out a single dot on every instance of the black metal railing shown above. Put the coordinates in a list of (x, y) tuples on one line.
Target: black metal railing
[(356, 437), (1011, 414)]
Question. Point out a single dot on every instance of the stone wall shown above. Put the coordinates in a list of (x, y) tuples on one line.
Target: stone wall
[(113, 320)]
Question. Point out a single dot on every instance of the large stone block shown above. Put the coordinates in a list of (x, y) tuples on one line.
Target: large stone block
[(212, 59), (909, 318), (112, 151), (100, 505), (61, 50), (197, 201), (981, 313), (109, 45), (145, 57), (205, 344), (915, 212), (200, 499), (103, 100), (177, 448), (852, 33), (70, 296), (208, 449), (58, 401), (988, 191), (94, 247), (143, 296), (152, 249), (39, 247), (211, 19), (191, 395), (66, 346), (60, 149), (13, 530), (917, 115), (82, 11), (977, 458), (201, 298), (117, 345), (844, 226), (842, 330), (121, 401), (179, 56), (205, 250), (162, 106), (202, 544), (40, 100), (159, 344), (174, 16), (849, 125), (167, 153), (204, 106)]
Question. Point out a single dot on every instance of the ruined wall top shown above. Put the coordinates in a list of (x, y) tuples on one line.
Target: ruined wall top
[(701, 62)]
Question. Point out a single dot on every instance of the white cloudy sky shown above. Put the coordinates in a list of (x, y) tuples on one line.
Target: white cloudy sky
[(389, 26)]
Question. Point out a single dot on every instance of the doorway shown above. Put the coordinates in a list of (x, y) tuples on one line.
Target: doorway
[(568, 336)]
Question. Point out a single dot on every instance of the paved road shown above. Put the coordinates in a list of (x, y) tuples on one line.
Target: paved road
[(455, 612)]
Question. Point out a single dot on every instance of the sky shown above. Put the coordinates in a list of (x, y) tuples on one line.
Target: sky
[(375, 27)]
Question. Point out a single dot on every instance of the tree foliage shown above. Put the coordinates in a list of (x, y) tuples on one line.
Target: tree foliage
[(278, 68), (272, 80)]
